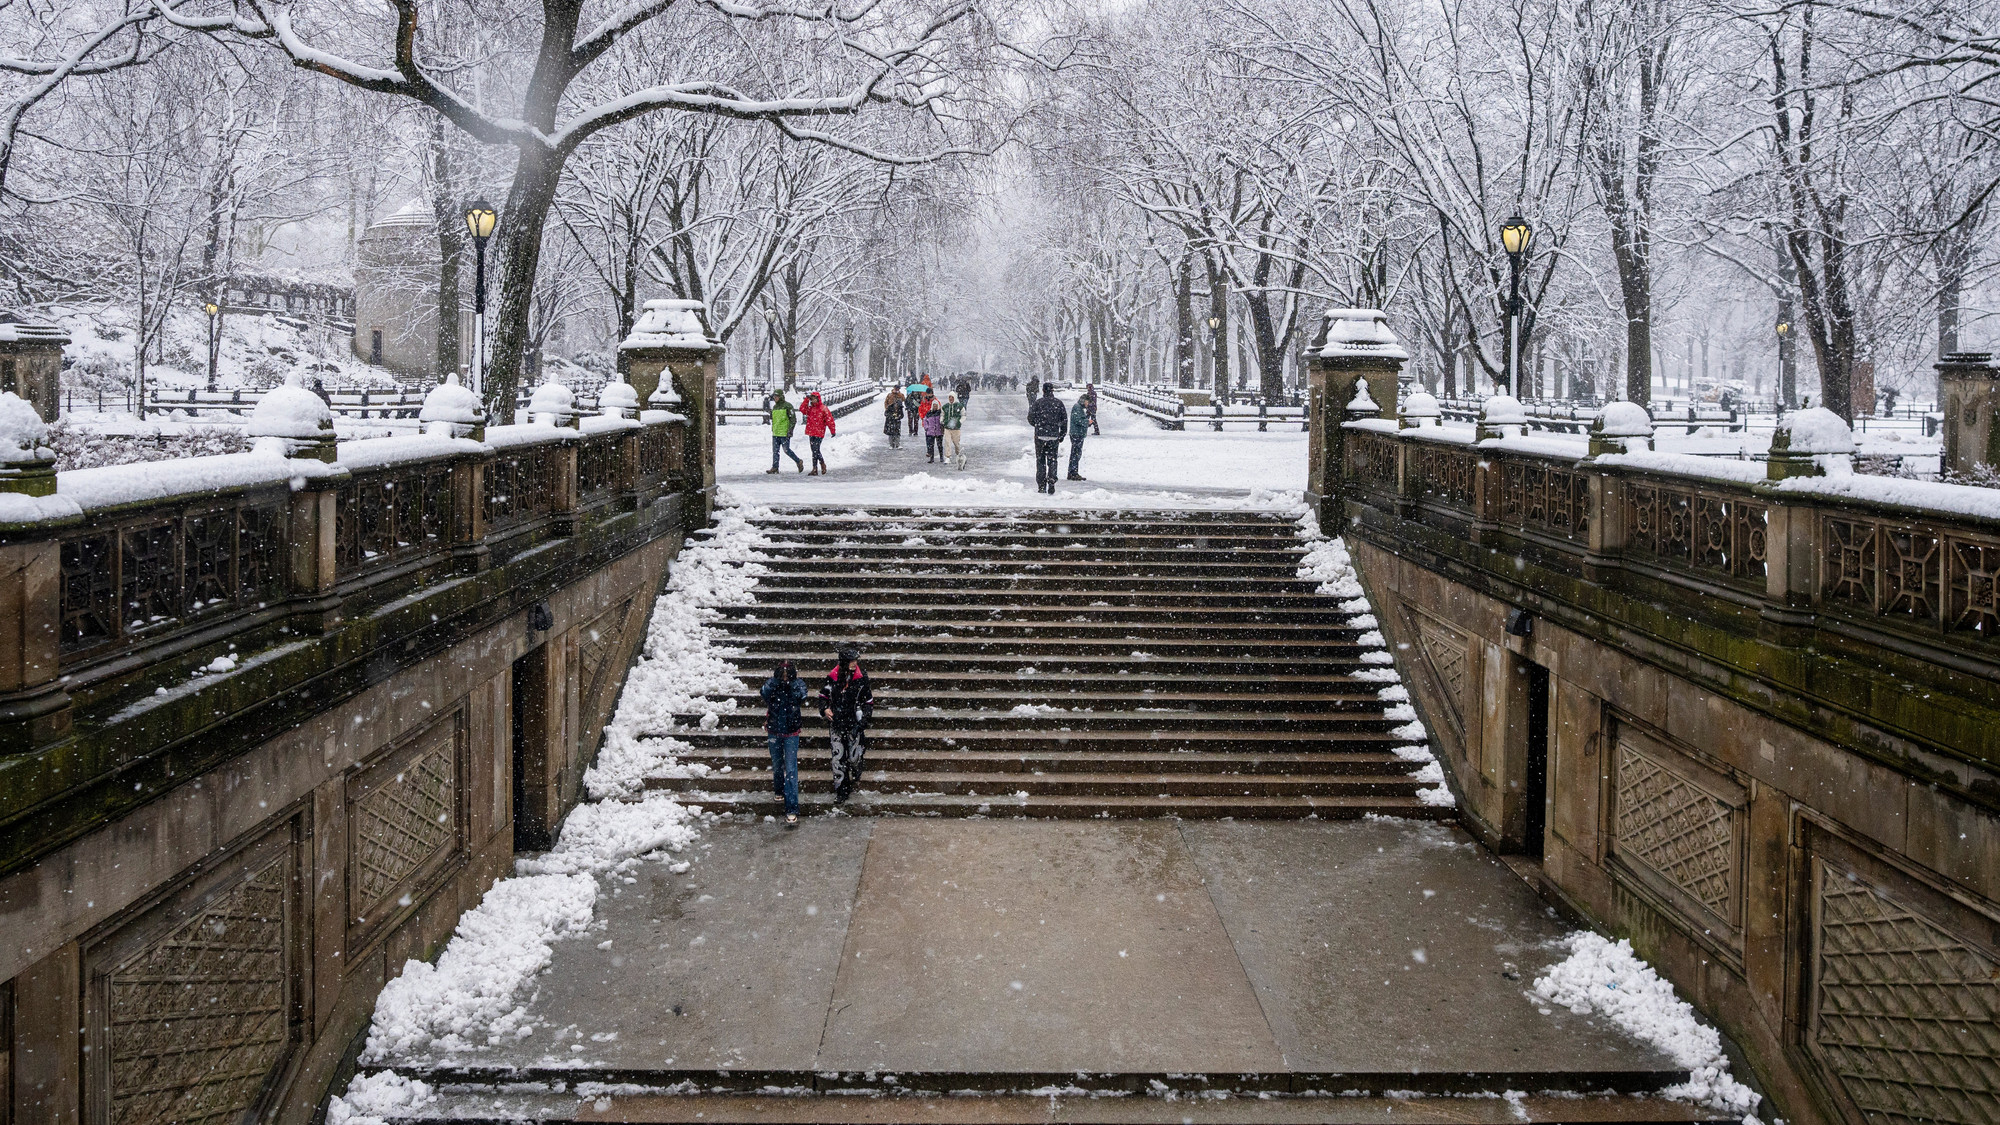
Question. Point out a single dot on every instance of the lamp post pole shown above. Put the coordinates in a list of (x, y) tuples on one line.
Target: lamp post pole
[(1788, 369), (214, 311), (480, 219), (1515, 234)]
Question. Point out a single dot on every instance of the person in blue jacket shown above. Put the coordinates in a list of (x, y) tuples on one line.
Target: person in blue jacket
[(784, 697)]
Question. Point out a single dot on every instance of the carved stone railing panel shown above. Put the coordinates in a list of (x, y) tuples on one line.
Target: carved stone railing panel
[(659, 451), (390, 516), (600, 463), (1905, 1016), (1674, 828), (1539, 496), (1371, 459), (520, 486), (1932, 574), (1447, 474), (198, 1017), (1723, 536), (152, 574)]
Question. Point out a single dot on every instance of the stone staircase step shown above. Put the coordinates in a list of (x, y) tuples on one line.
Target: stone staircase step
[(1046, 665), (905, 698), (881, 784), (778, 577), (947, 721), (757, 760), (759, 802), (1036, 741)]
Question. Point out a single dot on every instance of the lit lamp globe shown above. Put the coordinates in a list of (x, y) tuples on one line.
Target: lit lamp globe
[(480, 219), (1515, 235)]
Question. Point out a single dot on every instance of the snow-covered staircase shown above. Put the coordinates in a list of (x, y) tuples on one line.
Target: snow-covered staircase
[(1066, 664)]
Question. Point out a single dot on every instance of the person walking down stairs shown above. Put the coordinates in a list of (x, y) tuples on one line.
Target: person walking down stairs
[(892, 417), (954, 419), (783, 421), (1046, 417), (784, 698), (847, 703), (1079, 428), (819, 427)]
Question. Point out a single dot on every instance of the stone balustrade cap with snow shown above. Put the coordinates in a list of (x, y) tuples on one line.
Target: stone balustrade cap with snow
[(553, 401), (1362, 402), (452, 403), (1422, 404), (1817, 430), (1503, 410), (291, 412), (1623, 419), (1359, 333), (670, 323), (618, 395), (24, 437)]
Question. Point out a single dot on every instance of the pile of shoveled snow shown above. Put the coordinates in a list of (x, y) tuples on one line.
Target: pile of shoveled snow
[(479, 990), (1603, 977), (1328, 563), (683, 667)]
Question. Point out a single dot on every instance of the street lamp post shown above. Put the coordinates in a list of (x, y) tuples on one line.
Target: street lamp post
[(1220, 360), (1788, 377), (1515, 235), (480, 219), (214, 311)]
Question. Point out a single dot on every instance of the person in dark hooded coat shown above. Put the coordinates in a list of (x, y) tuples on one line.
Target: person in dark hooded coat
[(847, 703), (784, 698)]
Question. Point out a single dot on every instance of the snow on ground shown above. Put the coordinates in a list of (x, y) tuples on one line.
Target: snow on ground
[(1132, 463), (1328, 563), (1604, 977), (478, 991)]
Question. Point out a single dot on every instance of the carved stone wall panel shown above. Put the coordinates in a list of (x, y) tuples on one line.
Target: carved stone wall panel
[(1674, 828), (403, 818), (599, 644), (193, 1005), (1447, 656), (1905, 1016)]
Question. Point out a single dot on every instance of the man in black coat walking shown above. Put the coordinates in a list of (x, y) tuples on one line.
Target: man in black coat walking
[(847, 703), (1051, 424)]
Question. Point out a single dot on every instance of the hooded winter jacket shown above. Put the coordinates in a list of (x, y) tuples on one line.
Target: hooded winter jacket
[(783, 418), (849, 697), (1079, 421), (933, 422), (782, 705), (954, 415), (819, 420)]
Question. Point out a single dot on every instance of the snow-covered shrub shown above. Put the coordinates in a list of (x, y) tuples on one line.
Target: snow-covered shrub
[(83, 447)]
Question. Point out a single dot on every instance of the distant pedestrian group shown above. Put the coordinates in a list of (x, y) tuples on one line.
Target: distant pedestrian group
[(916, 406), (846, 705)]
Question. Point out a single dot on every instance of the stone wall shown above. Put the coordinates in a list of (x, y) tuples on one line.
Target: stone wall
[(259, 805), (1752, 729)]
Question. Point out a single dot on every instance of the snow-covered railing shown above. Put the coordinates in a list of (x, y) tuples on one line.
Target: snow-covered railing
[(754, 405), (163, 556), (1163, 407), (1915, 558)]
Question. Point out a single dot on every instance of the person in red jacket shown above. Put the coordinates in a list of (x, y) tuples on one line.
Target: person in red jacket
[(819, 425)]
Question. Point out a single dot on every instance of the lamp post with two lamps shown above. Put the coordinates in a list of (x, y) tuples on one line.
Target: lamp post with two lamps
[(480, 219), (1515, 235)]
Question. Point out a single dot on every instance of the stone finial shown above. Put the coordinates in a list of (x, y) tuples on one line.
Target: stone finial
[(1814, 442), (1362, 405), (1418, 410), (1621, 427), (1501, 416), (454, 411), (553, 405), (618, 400), (27, 462), (298, 421)]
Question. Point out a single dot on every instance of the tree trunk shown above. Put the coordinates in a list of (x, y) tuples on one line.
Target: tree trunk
[(1184, 322), (520, 237), (449, 221)]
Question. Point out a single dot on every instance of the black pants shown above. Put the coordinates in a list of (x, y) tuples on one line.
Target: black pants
[(933, 446), (1046, 451), (850, 745), (1075, 453), (819, 462)]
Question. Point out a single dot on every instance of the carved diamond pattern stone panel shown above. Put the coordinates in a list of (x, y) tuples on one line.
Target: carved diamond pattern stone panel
[(1907, 1017), (198, 1019), (405, 821), (1679, 830), (600, 643), (1448, 661)]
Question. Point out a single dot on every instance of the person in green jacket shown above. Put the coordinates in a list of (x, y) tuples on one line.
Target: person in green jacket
[(954, 417), (783, 421)]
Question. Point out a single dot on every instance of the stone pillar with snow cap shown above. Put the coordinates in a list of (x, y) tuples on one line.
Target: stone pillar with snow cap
[(671, 354), (1814, 442), (31, 363), (1621, 427), (1360, 351), (1501, 416), (34, 707), (294, 421), (452, 410), (1969, 398)]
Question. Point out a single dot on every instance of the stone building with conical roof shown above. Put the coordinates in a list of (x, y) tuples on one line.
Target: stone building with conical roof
[(396, 293)]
